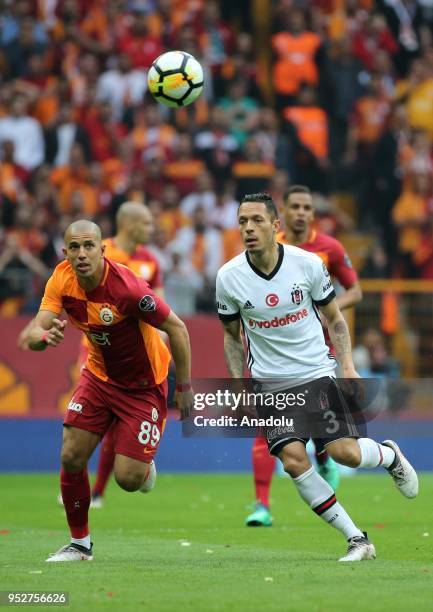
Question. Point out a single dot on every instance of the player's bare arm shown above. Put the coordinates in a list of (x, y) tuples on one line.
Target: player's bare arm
[(24, 335), (234, 348), (340, 338), (350, 297), (181, 351), (47, 330)]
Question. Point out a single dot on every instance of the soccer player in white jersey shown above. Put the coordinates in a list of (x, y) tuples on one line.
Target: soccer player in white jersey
[(272, 291)]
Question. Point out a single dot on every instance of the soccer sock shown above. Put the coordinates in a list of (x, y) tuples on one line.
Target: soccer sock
[(321, 498), (374, 454), (263, 469), (76, 500), (105, 464), (82, 541), (320, 453)]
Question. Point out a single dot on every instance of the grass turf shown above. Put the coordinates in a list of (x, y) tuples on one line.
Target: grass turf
[(185, 547)]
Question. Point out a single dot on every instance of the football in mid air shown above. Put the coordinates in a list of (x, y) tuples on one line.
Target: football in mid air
[(175, 79)]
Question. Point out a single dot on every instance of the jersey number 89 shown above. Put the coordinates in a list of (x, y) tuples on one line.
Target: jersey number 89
[(149, 432)]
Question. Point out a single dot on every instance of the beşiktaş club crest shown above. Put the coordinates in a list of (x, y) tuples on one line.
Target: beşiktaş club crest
[(297, 295), (147, 303), (106, 315)]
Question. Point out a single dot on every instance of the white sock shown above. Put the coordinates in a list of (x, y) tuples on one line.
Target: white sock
[(321, 498), (374, 454), (82, 541)]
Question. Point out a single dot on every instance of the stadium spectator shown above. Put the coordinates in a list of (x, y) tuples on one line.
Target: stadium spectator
[(241, 64), (344, 81), (410, 213), (373, 36), (171, 219), (150, 135), (215, 144), (25, 133), (224, 214), (182, 282), (62, 134), (241, 111), (139, 44), (216, 38), (274, 143), (12, 176), (252, 171), (22, 47), (121, 85), (296, 49), (310, 123), (185, 167), (204, 196), (376, 264), (416, 91), (104, 131), (201, 245)]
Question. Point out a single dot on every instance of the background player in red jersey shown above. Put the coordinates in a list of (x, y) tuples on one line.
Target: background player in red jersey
[(299, 217), (124, 378)]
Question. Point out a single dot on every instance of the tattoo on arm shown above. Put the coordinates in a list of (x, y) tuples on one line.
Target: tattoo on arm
[(234, 355), (340, 338)]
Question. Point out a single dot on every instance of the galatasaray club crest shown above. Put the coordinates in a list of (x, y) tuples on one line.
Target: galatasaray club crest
[(106, 315), (297, 295)]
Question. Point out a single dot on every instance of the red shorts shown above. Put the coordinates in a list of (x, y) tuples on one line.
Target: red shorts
[(139, 414)]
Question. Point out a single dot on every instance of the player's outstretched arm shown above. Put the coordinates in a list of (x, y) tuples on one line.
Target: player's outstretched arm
[(340, 338), (181, 351), (234, 348), (47, 330)]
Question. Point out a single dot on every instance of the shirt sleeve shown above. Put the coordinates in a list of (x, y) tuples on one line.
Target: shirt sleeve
[(141, 302), (341, 267), (322, 289), (227, 308), (52, 299)]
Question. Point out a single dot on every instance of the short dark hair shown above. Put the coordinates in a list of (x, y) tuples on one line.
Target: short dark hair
[(265, 199), (296, 189)]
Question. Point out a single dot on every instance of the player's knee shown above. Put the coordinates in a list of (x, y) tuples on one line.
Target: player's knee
[(294, 464), (345, 453), (72, 460), (129, 481)]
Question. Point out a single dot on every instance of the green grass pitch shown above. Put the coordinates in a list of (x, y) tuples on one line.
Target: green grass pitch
[(184, 547)]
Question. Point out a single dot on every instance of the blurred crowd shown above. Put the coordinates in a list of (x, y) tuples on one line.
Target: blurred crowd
[(338, 95)]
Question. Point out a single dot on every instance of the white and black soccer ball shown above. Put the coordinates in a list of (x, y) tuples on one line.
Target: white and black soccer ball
[(175, 79)]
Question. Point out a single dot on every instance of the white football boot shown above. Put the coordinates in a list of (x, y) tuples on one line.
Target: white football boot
[(359, 549), (401, 471), (72, 552)]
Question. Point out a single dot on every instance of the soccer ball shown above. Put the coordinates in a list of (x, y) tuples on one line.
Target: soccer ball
[(175, 79)]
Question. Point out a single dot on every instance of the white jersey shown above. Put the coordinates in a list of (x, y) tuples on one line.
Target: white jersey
[(279, 314)]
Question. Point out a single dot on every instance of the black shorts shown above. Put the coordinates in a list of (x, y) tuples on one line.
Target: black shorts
[(316, 409)]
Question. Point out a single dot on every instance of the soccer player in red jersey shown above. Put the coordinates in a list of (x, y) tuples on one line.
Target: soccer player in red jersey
[(124, 378), (299, 217), (135, 226)]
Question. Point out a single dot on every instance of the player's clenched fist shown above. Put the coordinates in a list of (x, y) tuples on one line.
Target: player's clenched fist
[(55, 335)]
